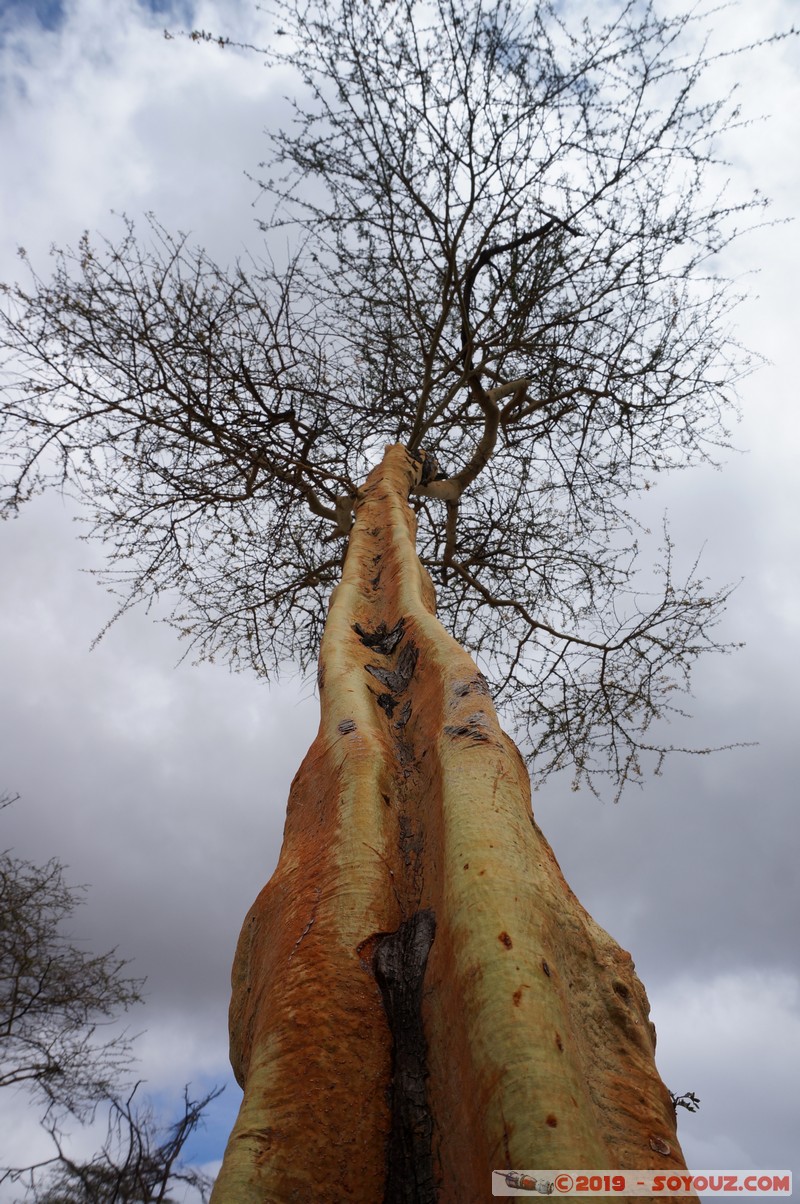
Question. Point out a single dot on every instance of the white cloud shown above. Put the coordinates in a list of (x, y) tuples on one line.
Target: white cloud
[(105, 113)]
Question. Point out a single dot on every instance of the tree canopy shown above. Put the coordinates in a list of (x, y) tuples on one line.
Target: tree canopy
[(492, 233)]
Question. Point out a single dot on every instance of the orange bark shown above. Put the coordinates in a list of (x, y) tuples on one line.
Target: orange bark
[(407, 1067)]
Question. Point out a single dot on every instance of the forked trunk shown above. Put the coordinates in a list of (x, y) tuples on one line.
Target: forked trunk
[(418, 997)]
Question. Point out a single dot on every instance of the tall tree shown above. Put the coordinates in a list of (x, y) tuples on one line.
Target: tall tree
[(504, 264)]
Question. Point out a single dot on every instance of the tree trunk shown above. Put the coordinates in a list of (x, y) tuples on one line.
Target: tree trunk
[(418, 996)]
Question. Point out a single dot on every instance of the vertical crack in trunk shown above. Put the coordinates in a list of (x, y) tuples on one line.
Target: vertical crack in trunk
[(530, 1046), (399, 963)]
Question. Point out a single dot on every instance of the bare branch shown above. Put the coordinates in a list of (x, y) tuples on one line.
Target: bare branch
[(501, 237)]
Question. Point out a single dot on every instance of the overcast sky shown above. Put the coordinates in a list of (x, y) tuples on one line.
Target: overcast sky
[(164, 787)]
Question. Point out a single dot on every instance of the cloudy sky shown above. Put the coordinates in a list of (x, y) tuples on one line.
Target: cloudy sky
[(163, 786)]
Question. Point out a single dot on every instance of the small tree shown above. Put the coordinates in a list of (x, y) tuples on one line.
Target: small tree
[(55, 996), (138, 1163), (504, 250)]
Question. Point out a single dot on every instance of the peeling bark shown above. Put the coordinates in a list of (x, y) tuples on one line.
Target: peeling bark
[(379, 1063)]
